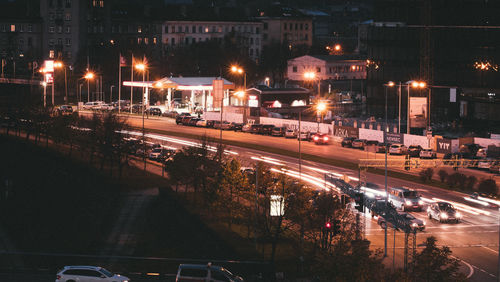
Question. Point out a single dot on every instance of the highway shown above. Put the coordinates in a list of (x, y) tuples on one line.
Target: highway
[(474, 240)]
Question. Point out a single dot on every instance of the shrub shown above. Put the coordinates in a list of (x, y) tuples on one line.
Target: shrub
[(471, 182), (442, 175), (456, 180), (488, 186), (426, 174)]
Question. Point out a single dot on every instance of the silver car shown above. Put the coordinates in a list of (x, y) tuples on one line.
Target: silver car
[(444, 212), (84, 273)]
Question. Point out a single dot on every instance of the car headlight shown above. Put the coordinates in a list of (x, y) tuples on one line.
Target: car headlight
[(423, 222), (420, 202), (414, 224), (458, 215), (408, 203), (443, 216)]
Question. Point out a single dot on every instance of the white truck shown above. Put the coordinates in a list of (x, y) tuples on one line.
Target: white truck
[(405, 199)]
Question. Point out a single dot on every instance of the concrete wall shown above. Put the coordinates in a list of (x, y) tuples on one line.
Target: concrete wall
[(294, 124), (485, 142), (371, 134), (416, 140)]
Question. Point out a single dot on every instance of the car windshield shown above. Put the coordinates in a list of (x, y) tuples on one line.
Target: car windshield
[(106, 272), (445, 206), (157, 150), (409, 216), (395, 146), (410, 194)]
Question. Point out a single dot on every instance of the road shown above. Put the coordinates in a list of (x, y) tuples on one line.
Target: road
[(474, 240)]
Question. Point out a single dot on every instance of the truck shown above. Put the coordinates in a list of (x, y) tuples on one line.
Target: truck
[(405, 199)]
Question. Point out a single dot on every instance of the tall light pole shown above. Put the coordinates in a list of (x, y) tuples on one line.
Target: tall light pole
[(88, 76), (111, 94), (414, 84), (44, 94), (389, 84), (142, 67), (238, 70), (320, 108), (311, 76)]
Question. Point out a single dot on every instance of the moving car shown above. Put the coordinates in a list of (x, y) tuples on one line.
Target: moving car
[(205, 272), (65, 109), (416, 223), (88, 273), (237, 126), (186, 120), (358, 144), (347, 141), (444, 212), (427, 153), (290, 133), (278, 131), (304, 135), (320, 138), (397, 149), (414, 151), (405, 199), (247, 128)]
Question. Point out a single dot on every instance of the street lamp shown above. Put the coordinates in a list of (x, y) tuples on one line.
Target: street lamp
[(44, 94), (414, 84), (58, 65), (389, 84), (111, 94), (142, 67), (238, 70), (311, 76), (88, 76), (320, 108)]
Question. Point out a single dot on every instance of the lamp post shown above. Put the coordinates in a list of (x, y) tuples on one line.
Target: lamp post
[(238, 70), (88, 76), (414, 84), (311, 76), (58, 65), (389, 84), (142, 67), (320, 108), (44, 94), (80, 92), (111, 94)]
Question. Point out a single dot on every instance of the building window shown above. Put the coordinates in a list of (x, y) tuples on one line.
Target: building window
[(12, 27), (173, 29), (200, 29), (101, 3), (264, 36), (284, 26), (173, 41), (59, 29), (318, 69), (51, 16), (251, 40), (251, 52), (59, 41), (30, 41), (51, 54), (265, 26), (306, 26), (67, 16), (68, 3), (301, 26), (51, 29), (146, 40), (206, 29), (51, 3), (193, 29), (186, 29), (306, 37), (294, 68), (68, 41), (154, 40), (139, 40), (51, 42), (29, 28), (179, 29), (139, 29)]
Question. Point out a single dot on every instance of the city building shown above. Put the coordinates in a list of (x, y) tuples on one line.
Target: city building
[(287, 30), (325, 67), (454, 52), (247, 34)]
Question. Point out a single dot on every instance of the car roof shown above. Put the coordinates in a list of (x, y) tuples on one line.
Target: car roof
[(200, 266), (82, 267)]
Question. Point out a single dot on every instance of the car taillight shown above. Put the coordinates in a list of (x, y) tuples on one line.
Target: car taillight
[(58, 277)]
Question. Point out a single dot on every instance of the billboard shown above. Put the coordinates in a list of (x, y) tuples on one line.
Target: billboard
[(393, 138), (345, 131), (443, 145), (418, 112)]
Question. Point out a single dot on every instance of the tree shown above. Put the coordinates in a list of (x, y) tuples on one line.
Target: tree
[(426, 174), (488, 186), (436, 264), (442, 175)]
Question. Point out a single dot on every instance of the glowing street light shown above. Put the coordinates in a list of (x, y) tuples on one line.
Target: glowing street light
[(88, 76), (140, 67), (239, 70)]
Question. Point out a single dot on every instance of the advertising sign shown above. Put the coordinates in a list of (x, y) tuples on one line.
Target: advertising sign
[(393, 138), (345, 131), (443, 145), (277, 207), (418, 112), (49, 65), (218, 91)]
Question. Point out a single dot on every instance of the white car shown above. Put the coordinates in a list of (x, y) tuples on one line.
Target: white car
[(201, 123), (397, 149), (88, 274), (427, 154), (290, 133), (205, 272)]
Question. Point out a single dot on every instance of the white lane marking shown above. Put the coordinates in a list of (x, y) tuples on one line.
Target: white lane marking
[(496, 252), (471, 269)]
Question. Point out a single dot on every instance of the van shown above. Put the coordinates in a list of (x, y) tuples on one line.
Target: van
[(205, 272), (405, 199)]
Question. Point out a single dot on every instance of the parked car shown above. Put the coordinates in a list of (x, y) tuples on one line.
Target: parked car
[(444, 212), (179, 118), (255, 128), (154, 111), (290, 133), (156, 153), (416, 223), (405, 199), (371, 143), (347, 141), (381, 147), (470, 148), (398, 149), (320, 138), (485, 164), (358, 144), (201, 123), (266, 129), (210, 123), (65, 109), (495, 168), (414, 150), (237, 126), (226, 125), (216, 124), (205, 272), (427, 153), (186, 119), (193, 121), (88, 273), (278, 131), (247, 128)]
